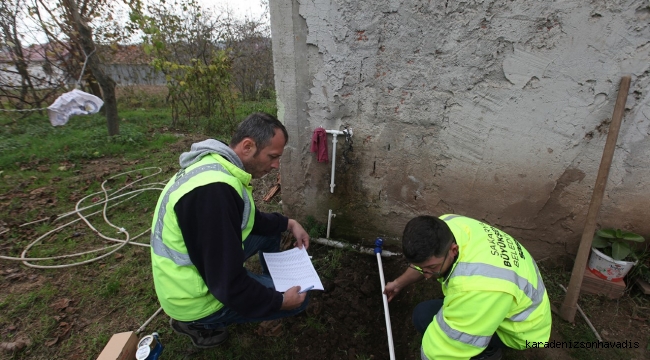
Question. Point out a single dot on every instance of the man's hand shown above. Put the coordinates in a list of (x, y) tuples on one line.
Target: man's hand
[(292, 299), (407, 278), (391, 289), (302, 238)]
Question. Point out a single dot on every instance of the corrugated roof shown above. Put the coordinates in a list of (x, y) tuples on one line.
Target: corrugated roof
[(36, 52), (124, 54), (120, 54)]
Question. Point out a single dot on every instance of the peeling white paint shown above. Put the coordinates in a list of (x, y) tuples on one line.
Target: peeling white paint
[(478, 107), (522, 66)]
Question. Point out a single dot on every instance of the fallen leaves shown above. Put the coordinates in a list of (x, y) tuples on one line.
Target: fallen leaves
[(61, 304), (13, 274), (17, 345), (271, 328), (64, 326), (66, 166), (51, 342), (37, 192)]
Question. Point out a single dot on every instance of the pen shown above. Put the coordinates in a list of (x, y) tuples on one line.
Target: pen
[(306, 289)]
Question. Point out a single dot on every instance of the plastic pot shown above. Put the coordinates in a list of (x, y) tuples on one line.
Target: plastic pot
[(607, 268)]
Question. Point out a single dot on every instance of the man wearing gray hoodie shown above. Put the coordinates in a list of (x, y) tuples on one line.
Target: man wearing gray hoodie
[(206, 226)]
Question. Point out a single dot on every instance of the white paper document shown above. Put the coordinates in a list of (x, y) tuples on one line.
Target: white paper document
[(292, 268)]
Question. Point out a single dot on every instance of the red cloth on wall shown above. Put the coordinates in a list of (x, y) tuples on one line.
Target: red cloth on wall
[(319, 144)]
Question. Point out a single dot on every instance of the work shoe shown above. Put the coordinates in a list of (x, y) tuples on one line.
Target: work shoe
[(201, 337), (489, 354)]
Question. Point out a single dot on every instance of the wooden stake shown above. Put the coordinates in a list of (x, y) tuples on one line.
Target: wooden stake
[(569, 306)]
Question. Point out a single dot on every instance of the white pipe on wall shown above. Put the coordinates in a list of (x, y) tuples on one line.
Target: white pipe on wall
[(389, 331), (335, 134), (359, 248), (329, 221)]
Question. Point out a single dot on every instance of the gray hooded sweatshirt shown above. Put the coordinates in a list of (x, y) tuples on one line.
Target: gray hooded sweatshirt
[(209, 218), (209, 146)]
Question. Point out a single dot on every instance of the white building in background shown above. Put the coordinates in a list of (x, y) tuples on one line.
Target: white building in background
[(125, 64), (129, 65), (45, 67)]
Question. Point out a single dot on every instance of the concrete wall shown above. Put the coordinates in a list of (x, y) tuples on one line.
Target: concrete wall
[(125, 75), (40, 78), (497, 110), (121, 74)]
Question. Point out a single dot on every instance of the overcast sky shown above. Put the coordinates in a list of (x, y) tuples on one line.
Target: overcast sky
[(240, 7)]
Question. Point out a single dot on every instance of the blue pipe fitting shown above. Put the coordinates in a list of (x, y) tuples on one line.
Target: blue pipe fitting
[(378, 244)]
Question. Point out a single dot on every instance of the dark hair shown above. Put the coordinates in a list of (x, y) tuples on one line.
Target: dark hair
[(425, 236), (260, 127)]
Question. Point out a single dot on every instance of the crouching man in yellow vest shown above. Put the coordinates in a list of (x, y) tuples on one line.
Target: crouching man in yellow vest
[(494, 293), (206, 225)]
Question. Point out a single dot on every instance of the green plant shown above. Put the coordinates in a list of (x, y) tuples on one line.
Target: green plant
[(328, 265), (361, 332), (642, 268), (613, 242), (314, 228), (315, 324), (644, 272)]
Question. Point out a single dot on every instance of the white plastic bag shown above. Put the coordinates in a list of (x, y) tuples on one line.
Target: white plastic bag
[(75, 102)]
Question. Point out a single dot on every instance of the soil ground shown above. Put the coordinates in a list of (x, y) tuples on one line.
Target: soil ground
[(345, 321), (351, 308)]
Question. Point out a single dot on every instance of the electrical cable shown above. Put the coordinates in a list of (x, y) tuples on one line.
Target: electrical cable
[(108, 197), (115, 195)]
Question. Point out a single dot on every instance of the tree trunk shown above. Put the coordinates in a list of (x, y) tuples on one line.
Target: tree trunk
[(105, 82), (10, 33)]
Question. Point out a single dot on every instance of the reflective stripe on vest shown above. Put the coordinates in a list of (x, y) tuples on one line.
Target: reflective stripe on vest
[(475, 340), (422, 355), (536, 296), (159, 248), (451, 217)]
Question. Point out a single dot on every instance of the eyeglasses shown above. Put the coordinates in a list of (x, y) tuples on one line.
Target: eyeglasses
[(428, 272)]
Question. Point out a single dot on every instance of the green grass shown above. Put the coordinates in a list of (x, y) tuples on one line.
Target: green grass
[(44, 171), (33, 142), (361, 332), (248, 107), (314, 228), (330, 263), (315, 323)]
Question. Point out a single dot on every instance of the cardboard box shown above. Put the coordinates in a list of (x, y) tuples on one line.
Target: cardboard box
[(592, 284), (121, 346)]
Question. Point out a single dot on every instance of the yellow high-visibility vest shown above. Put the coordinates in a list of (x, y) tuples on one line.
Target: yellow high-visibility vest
[(494, 286), (181, 291)]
